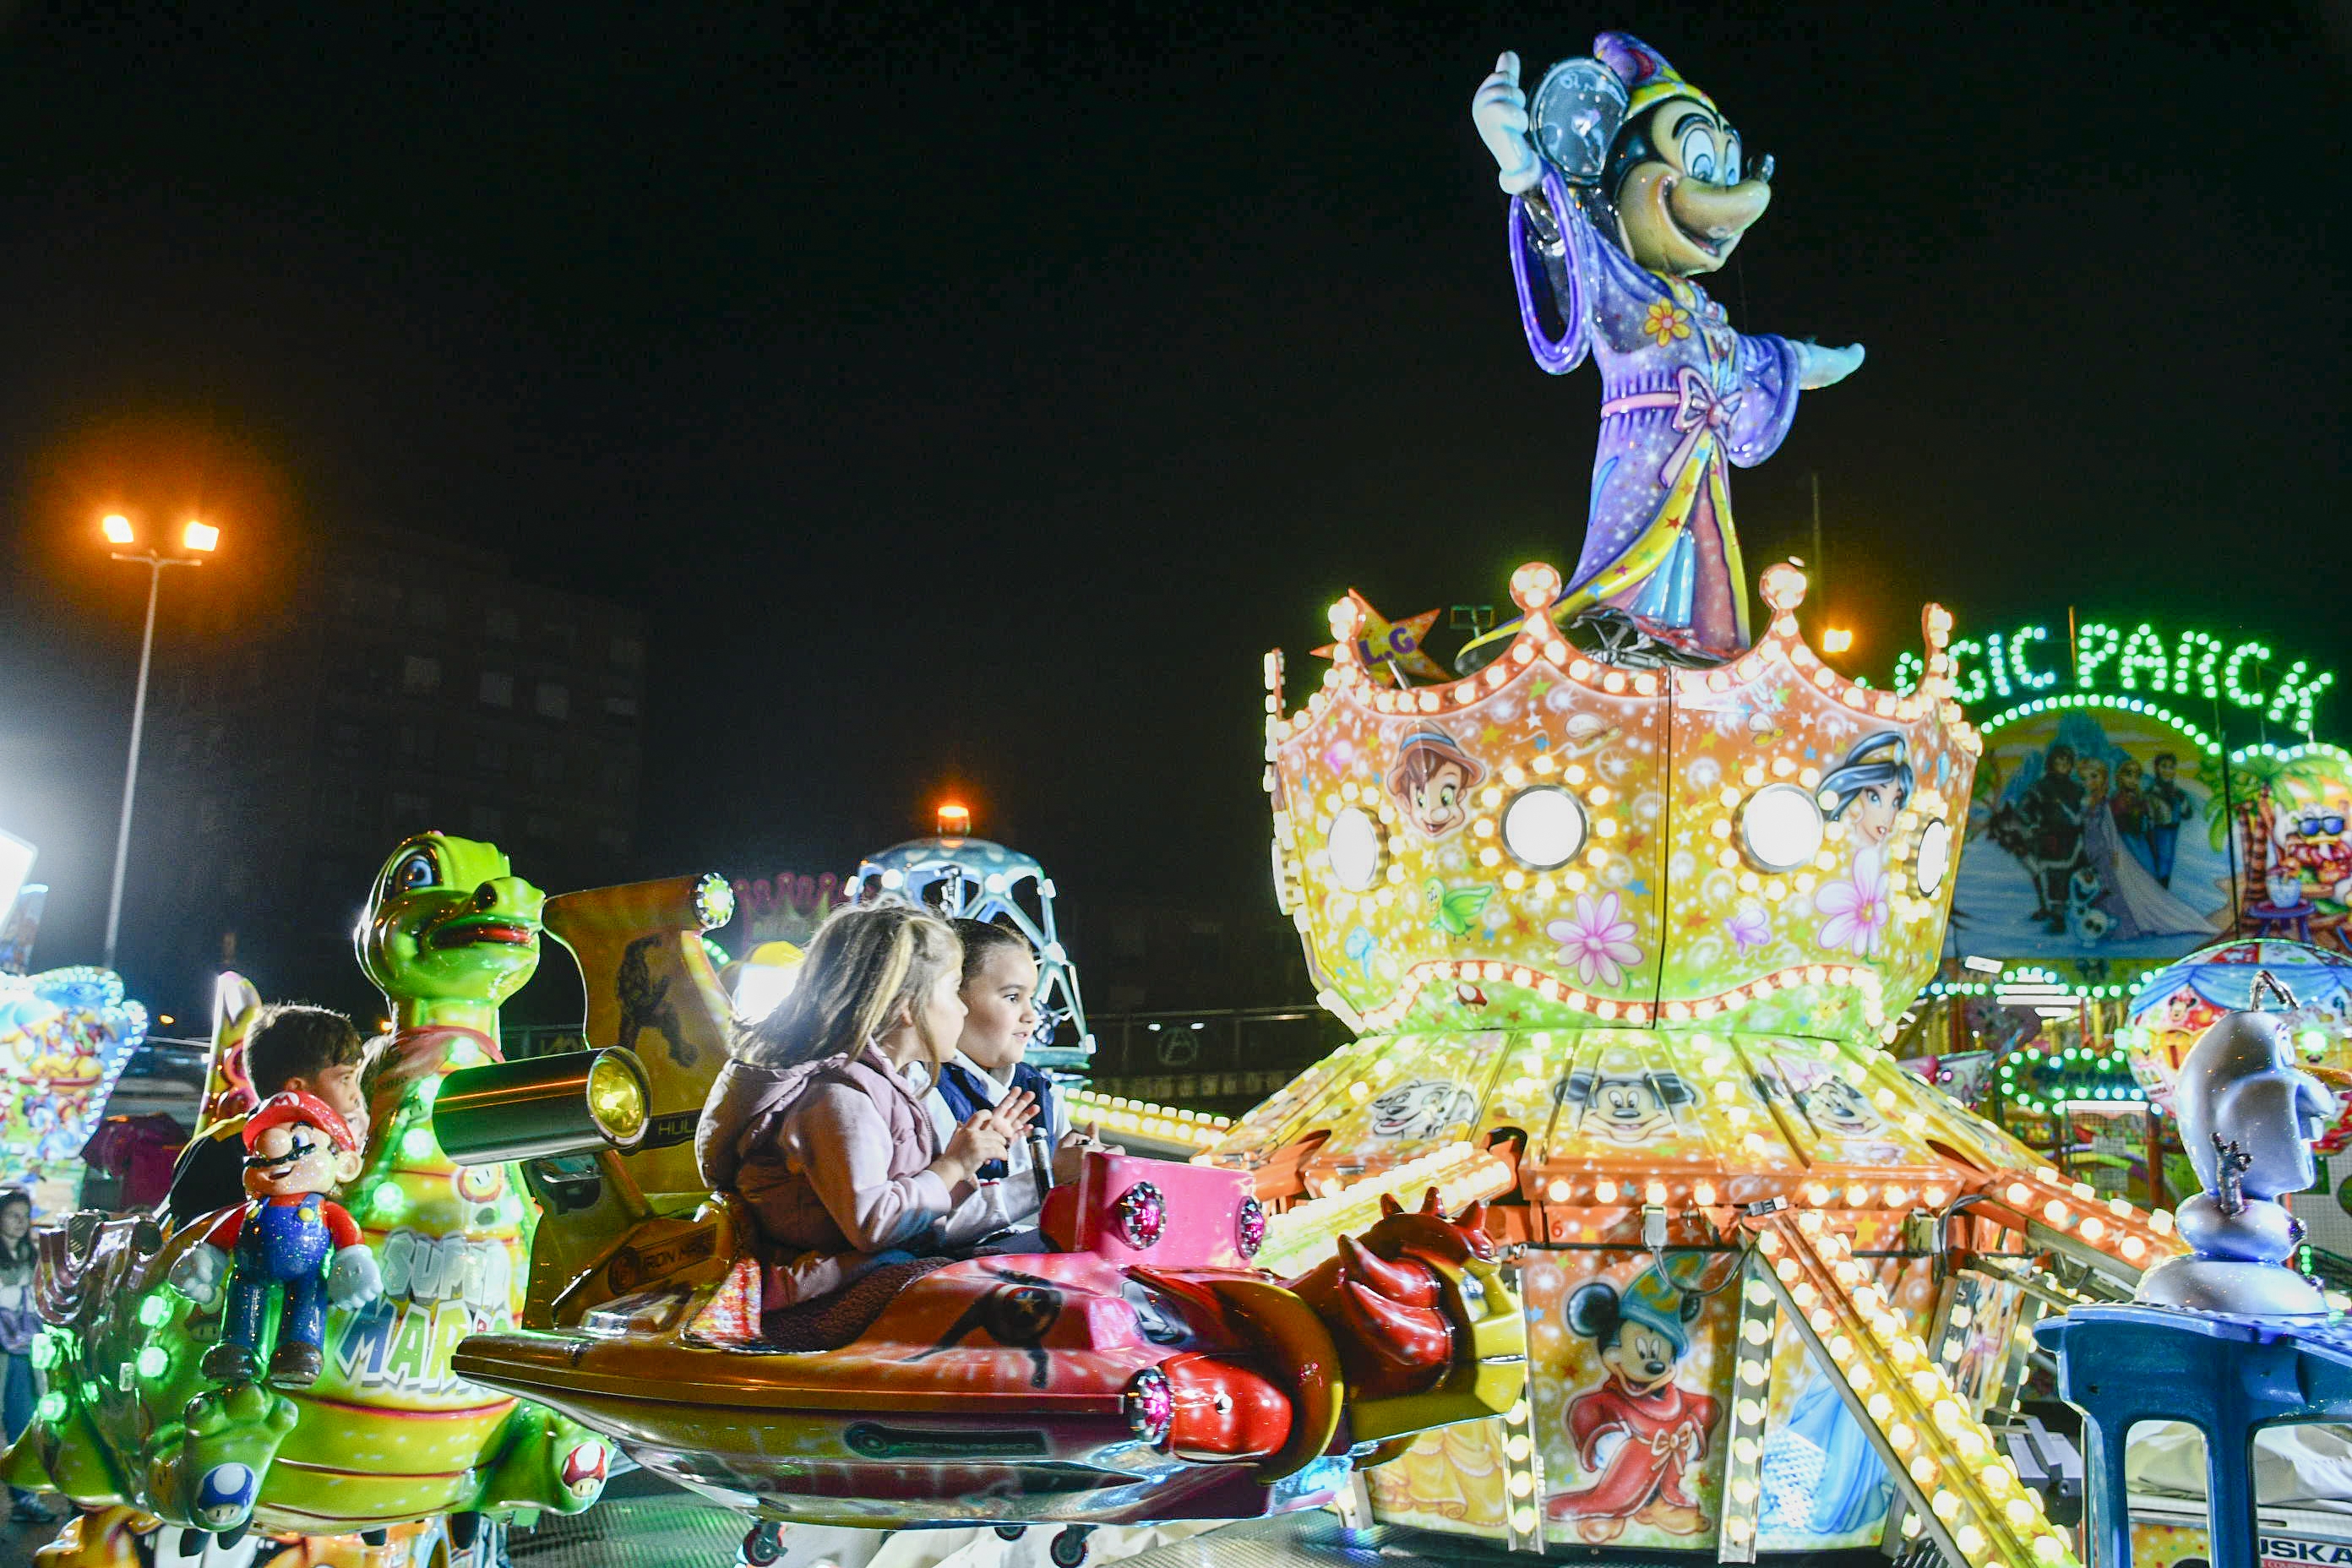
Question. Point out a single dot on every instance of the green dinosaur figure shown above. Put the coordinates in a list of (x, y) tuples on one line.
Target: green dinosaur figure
[(388, 1434)]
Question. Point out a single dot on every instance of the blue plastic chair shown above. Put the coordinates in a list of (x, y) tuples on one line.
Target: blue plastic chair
[(2227, 1376)]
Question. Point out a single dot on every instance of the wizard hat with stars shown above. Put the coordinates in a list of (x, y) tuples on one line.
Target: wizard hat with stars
[(1654, 1302), (1648, 77)]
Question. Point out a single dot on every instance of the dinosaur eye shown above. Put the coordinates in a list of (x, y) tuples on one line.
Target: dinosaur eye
[(416, 869)]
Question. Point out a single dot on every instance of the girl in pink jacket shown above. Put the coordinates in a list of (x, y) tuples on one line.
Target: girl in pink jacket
[(816, 1125)]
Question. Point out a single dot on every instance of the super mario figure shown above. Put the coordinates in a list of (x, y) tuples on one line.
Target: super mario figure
[(288, 1233)]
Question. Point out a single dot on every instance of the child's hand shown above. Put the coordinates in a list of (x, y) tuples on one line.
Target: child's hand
[(1070, 1159), (976, 1143), (1014, 1112)]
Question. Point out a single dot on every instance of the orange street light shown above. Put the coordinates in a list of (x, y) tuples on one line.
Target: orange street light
[(1837, 639), (197, 536)]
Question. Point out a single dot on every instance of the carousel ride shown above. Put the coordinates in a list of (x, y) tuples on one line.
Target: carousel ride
[(1625, 914), (1147, 1368)]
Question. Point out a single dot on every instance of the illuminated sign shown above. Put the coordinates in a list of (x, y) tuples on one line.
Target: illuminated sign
[(2030, 661)]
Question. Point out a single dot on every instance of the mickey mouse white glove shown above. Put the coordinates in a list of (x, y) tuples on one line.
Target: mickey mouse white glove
[(1500, 113)]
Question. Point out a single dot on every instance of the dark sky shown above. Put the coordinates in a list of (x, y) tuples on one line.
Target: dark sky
[(973, 394)]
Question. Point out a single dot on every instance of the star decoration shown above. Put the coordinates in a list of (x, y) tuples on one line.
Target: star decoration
[(1387, 647)]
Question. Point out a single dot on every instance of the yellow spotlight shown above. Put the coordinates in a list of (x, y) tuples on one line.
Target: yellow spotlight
[(617, 1097), (118, 530), (1837, 639), (202, 536)]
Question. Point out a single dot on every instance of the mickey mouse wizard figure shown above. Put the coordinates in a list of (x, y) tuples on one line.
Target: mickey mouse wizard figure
[(288, 1233), (1638, 1432), (1628, 183)]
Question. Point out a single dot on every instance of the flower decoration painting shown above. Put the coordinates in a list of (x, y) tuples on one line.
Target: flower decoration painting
[(1597, 941)]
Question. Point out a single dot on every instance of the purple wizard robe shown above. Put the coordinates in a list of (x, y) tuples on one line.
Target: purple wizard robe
[(1681, 394)]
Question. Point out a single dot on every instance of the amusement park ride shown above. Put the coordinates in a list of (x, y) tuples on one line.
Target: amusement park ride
[(1617, 1226)]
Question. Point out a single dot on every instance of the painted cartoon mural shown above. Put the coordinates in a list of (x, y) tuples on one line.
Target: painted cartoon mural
[(2091, 834), (1431, 779), (1637, 1433), (2284, 822)]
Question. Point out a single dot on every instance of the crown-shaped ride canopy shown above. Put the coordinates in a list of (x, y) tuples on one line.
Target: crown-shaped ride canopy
[(973, 880), (1555, 841)]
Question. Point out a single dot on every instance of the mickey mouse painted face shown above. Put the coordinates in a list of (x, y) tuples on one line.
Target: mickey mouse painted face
[(1642, 1358)]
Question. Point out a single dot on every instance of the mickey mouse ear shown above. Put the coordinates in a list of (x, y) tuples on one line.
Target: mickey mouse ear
[(1574, 118)]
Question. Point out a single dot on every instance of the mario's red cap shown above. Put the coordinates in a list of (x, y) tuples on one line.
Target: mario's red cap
[(296, 1106)]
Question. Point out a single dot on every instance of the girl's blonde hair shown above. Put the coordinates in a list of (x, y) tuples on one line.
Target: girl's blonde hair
[(865, 962)]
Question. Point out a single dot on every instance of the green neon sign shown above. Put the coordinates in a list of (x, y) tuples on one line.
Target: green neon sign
[(2030, 661)]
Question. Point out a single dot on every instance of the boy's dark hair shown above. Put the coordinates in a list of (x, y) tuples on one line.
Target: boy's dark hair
[(982, 938), (293, 1039)]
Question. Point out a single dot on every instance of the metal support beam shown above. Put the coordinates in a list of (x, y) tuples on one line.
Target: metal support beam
[(1959, 1487)]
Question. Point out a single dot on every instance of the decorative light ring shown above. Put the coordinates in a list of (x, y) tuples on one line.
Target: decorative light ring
[(1141, 1215), (1543, 827), (1249, 1227), (1148, 1403), (1353, 844), (1782, 828), (714, 901)]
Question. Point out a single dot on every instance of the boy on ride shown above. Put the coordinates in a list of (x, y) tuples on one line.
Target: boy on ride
[(818, 1127), (291, 1048), (1000, 998)]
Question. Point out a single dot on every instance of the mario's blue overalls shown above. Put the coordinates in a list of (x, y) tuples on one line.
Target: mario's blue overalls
[(286, 1244)]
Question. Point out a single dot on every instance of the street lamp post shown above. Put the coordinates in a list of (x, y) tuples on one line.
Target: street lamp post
[(199, 537)]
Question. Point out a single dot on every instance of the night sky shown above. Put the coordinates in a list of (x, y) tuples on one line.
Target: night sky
[(971, 396)]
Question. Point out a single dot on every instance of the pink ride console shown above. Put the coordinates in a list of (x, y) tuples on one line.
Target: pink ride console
[(1130, 1211)]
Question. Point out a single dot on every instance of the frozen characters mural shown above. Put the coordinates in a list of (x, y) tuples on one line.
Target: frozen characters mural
[(1628, 183), (1638, 1433), (2085, 839)]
